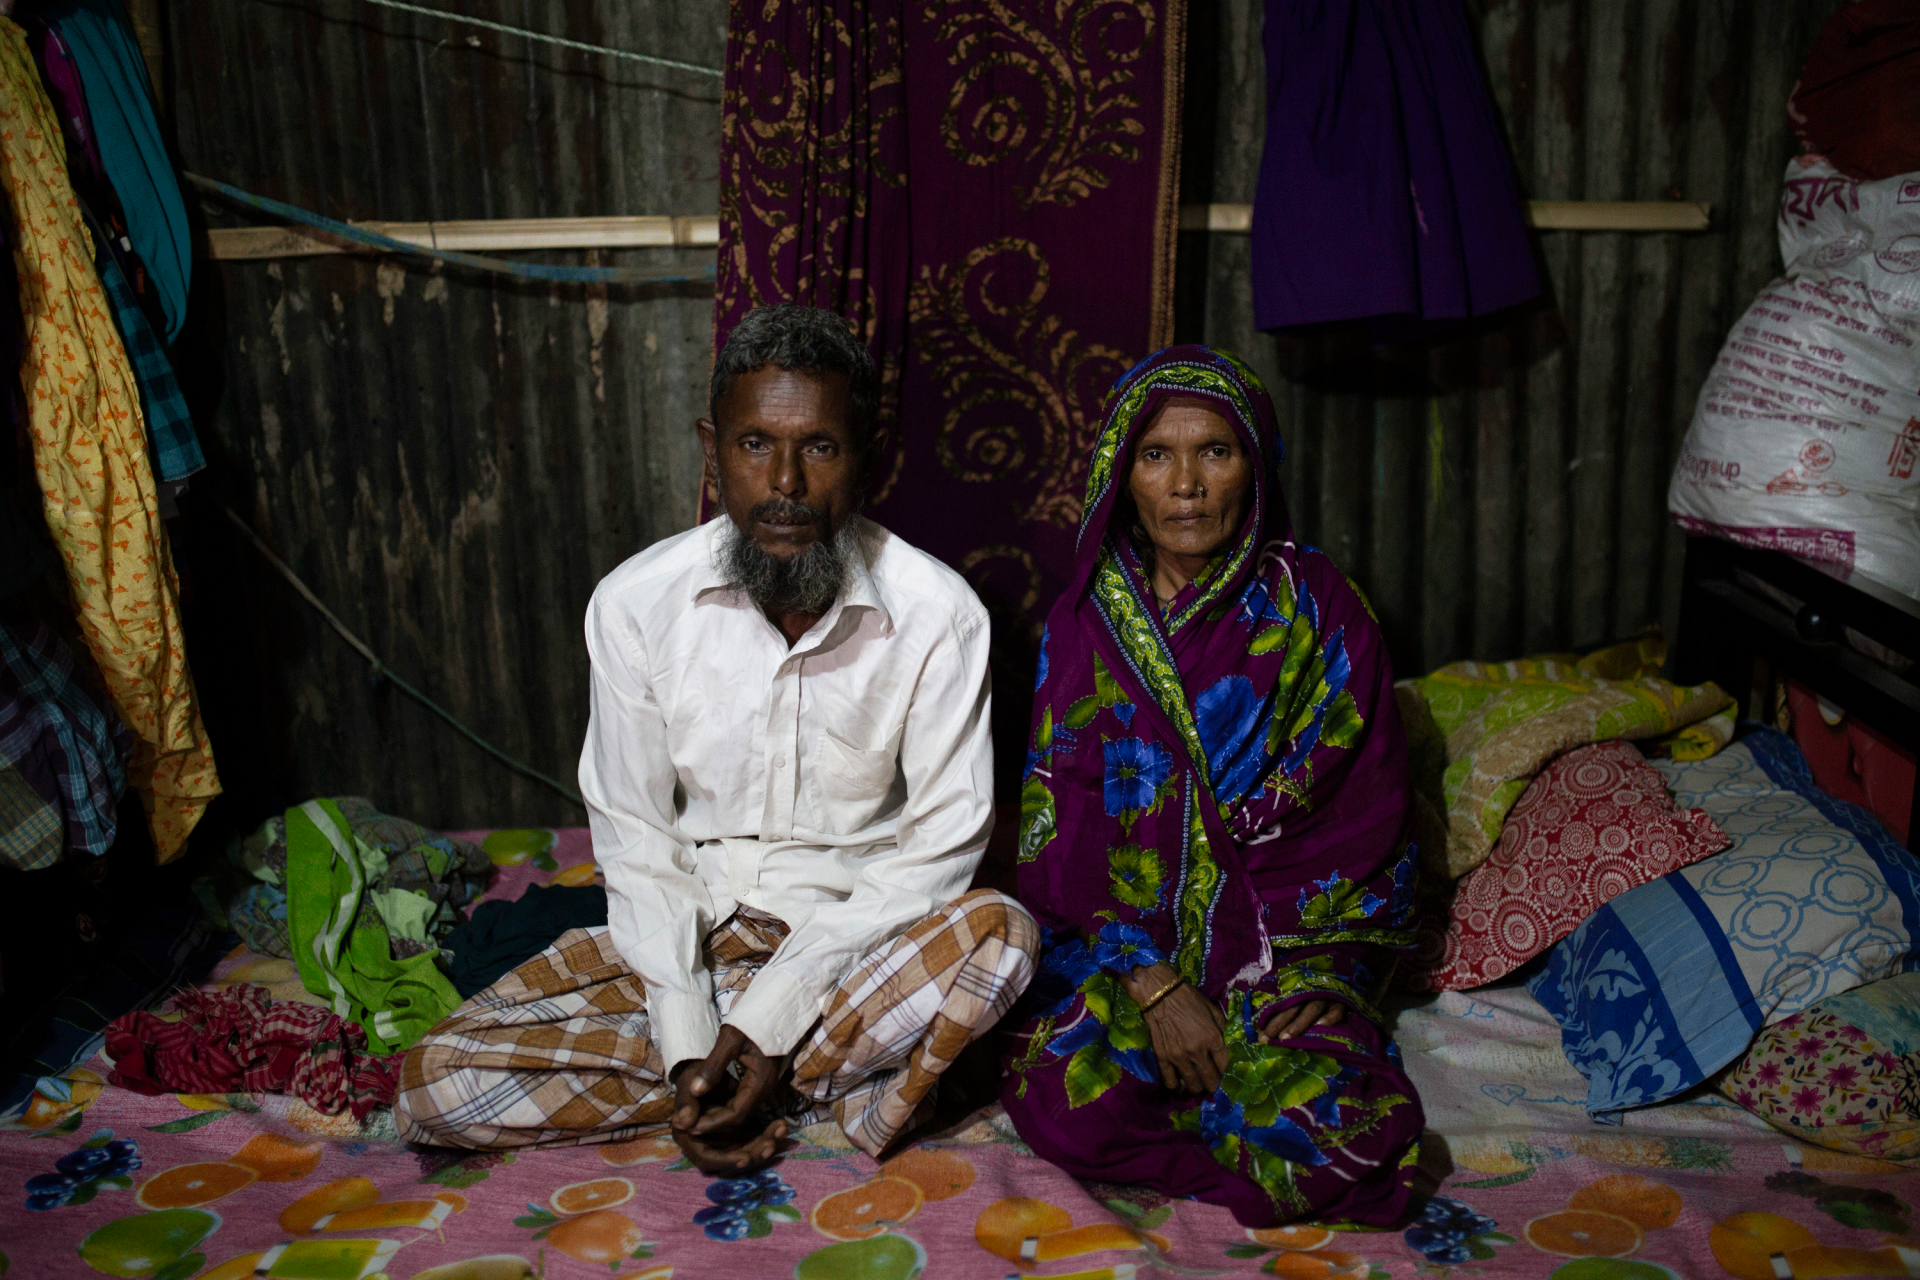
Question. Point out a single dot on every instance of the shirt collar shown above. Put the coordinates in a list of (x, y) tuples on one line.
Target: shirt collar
[(861, 592)]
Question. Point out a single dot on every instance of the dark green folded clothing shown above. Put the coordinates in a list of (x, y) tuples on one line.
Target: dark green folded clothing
[(503, 935)]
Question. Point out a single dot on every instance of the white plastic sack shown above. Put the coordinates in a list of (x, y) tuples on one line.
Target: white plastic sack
[(1807, 433)]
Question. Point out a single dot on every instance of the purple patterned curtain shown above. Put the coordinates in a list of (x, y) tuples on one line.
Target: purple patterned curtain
[(988, 188)]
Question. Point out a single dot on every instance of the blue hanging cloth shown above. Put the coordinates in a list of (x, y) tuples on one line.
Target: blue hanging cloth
[(120, 101)]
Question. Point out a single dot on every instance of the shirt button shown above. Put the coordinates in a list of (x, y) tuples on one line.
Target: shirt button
[(779, 762)]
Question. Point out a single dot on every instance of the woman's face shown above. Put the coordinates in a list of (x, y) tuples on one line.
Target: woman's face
[(1192, 481)]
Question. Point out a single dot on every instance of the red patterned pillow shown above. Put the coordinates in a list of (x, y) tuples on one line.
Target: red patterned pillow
[(1597, 822)]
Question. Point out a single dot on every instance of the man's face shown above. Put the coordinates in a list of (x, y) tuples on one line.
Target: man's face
[(782, 452)]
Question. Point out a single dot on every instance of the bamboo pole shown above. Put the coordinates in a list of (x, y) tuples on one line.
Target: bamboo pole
[(240, 244), (1545, 215), (249, 243)]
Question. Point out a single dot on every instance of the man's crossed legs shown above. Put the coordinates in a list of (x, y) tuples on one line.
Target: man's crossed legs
[(558, 1052)]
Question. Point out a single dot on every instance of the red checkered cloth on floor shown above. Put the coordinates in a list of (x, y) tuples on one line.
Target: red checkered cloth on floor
[(242, 1040)]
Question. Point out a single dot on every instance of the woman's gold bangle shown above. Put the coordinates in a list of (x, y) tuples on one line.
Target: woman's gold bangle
[(1162, 994)]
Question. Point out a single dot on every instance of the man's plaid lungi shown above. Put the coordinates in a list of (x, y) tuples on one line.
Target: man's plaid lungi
[(558, 1053)]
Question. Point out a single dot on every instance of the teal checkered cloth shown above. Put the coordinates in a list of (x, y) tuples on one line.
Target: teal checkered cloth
[(176, 448), (30, 827)]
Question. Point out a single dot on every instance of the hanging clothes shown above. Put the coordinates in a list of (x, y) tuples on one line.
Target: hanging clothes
[(90, 460), (120, 103), (23, 552), (65, 749), (175, 444), (61, 77), (1385, 192)]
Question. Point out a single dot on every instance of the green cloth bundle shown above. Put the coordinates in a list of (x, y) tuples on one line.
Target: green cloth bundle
[(351, 965)]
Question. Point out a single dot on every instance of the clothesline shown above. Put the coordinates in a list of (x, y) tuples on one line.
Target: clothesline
[(547, 39), (382, 671)]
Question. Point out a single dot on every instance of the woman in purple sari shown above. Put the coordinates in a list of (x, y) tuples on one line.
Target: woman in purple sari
[(1214, 833)]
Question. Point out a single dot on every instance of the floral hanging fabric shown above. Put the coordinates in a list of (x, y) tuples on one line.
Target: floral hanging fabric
[(988, 190)]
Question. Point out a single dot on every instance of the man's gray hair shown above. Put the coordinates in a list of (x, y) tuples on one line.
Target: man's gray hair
[(807, 340)]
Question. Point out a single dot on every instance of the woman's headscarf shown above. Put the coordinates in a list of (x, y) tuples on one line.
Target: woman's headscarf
[(1204, 788)]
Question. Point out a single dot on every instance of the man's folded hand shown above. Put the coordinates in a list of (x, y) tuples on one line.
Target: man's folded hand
[(713, 1114)]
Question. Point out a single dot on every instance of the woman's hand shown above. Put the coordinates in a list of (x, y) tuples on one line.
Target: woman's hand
[(1189, 1033), (1292, 1021)]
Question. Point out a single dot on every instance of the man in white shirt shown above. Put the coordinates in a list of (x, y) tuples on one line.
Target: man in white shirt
[(789, 778)]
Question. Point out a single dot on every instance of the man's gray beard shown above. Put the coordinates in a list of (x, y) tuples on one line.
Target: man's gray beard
[(807, 582)]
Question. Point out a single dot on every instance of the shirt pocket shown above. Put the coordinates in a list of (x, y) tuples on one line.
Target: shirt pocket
[(854, 786)]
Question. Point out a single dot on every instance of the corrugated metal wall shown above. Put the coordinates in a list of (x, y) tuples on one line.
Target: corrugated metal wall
[(450, 460), (453, 462), (1506, 492)]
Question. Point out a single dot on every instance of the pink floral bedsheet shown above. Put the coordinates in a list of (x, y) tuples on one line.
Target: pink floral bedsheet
[(99, 1181)]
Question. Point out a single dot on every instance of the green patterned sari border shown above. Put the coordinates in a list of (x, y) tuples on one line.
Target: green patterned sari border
[(1146, 652), (1392, 939)]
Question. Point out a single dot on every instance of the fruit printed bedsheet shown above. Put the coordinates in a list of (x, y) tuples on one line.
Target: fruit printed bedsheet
[(99, 1181)]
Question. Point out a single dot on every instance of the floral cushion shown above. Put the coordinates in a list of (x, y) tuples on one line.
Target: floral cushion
[(1844, 1074), (1596, 823), (1668, 983)]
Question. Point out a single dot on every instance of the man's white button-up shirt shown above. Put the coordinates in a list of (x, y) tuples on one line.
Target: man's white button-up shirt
[(843, 784)]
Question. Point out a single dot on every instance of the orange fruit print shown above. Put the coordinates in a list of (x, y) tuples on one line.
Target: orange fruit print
[(1325, 1265), (187, 1185), (1005, 1225), (1302, 1236), (331, 1198), (1583, 1233), (600, 1236), (939, 1174), (1647, 1204), (640, 1150), (1032, 1231), (868, 1209), (578, 874), (583, 1197), (240, 1268), (1745, 1243), (276, 1159)]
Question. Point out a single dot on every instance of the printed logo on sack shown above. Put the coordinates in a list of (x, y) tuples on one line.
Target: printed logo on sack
[(1710, 473), (1906, 450), (1817, 455), (1839, 252), (1793, 484), (1909, 192), (1900, 257)]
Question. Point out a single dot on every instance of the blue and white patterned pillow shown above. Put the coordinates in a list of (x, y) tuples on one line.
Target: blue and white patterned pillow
[(1669, 982)]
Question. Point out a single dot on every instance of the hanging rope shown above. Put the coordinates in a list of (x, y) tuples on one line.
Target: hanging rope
[(499, 266), (547, 39), (383, 672)]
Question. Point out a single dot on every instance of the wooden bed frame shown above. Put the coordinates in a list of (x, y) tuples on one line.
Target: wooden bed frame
[(1740, 627)]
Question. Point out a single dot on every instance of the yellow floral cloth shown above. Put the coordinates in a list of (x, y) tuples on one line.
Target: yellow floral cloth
[(90, 459), (1478, 732)]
